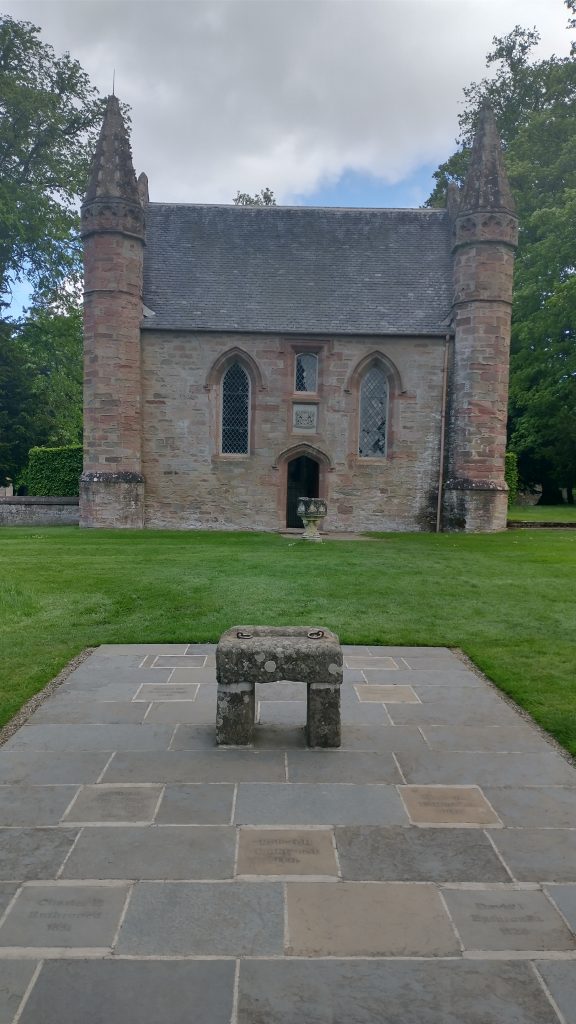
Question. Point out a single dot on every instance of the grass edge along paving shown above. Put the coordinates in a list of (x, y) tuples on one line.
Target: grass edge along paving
[(507, 600)]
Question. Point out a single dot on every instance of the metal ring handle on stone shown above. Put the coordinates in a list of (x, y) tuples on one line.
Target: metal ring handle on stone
[(315, 634), (244, 636)]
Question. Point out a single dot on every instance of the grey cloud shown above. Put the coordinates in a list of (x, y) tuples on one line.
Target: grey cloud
[(242, 94)]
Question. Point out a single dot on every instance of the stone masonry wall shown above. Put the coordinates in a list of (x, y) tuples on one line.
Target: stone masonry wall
[(32, 511), (189, 484)]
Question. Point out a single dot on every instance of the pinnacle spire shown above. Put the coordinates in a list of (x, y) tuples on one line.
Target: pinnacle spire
[(486, 186), (112, 173)]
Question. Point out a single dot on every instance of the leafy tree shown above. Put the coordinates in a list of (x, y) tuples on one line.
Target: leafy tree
[(535, 107), (23, 422), (49, 118), (265, 197)]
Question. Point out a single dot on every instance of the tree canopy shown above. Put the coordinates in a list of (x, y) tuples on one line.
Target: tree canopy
[(535, 106), (265, 197)]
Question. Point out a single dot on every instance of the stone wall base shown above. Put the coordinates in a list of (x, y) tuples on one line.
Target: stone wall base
[(474, 506), (112, 501), (38, 511)]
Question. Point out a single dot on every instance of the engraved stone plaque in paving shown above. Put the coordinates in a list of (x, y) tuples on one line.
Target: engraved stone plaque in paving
[(114, 804), (166, 691), (34, 805), (507, 920), (447, 805), (162, 851), (561, 981), (395, 992), (199, 804), (131, 992), (64, 915), (363, 919), (388, 664), (33, 852), (414, 854), (286, 852), (382, 694), (538, 855), (207, 919), (15, 976)]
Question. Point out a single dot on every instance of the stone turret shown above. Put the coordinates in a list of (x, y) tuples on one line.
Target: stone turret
[(485, 234), (113, 232)]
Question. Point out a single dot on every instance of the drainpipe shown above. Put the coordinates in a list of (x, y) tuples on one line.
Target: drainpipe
[(442, 434)]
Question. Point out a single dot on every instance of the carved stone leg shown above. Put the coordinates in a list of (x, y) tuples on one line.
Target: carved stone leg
[(235, 714), (323, 715)]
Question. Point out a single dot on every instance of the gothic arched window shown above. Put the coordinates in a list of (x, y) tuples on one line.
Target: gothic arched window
[(235, 411), (373, 413)]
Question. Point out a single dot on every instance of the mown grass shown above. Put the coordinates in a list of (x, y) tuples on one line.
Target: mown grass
[(508, 600), (543, 513)]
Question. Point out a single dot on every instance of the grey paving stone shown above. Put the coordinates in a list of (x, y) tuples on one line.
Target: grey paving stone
[(131, 992), (516, 739), (564, 897), (7, 890), (382, 663), (57, 767), (201, 649), (200, 766), (91, 737), (561, 980), (322, 804), (63, 712), (114, 650), (114, 804), (486, 769), (62, 915), (200, 804), (538, 855), (15, 976), (481, 698), (123, 692), (412, 855), (383, 694), (386, 739), (367, 919), (173, 712), (161, 851), (28, 853), (341, 766), (279, 737), (195, 737), (404, 652), (199, 676), (103, 676), (505, 920), (433, 662), (180, 661), (287, 712), (34, 805), (455, 680), (391, 992), (449, 712), (166, 691), (244, 919), (536, 806)]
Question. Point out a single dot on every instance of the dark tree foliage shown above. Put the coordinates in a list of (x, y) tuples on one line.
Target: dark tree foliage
[(23, 422), (535, 106), (265, 197)]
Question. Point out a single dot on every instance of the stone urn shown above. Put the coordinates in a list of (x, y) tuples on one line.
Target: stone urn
[(311, 511)]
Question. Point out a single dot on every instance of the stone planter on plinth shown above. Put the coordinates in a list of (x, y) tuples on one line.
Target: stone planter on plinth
[(311, 511)]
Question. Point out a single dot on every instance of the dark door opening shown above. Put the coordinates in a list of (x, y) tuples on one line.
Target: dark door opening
[(303, 476)]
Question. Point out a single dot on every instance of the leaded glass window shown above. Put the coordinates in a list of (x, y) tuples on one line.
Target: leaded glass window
[(235, 411), (373, 413), (306, 372)]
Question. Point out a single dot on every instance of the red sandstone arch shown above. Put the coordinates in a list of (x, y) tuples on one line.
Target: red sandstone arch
[(234, 355)]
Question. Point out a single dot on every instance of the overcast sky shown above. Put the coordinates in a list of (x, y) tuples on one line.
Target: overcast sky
[(328, 101)]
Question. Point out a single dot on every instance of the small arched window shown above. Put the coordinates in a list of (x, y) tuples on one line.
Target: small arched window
[(235, 411), (373, 413), (306, 372)]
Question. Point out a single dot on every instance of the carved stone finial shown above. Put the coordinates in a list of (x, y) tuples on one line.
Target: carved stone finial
[(112, 173), (486, 186), (143, 189)]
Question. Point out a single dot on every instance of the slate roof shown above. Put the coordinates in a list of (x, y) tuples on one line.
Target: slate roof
[(305, 270)]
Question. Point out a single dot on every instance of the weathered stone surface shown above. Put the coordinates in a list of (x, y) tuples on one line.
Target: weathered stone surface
[(64, 916), (507, 920)]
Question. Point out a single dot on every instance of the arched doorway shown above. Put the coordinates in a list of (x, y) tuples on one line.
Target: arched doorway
[(302, 482)]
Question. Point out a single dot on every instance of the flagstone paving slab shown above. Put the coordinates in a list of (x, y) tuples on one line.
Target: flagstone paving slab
[(392, 992), (145, 992), (157, 852), (210, 919), (64, 916), (361, 879), (418, 855)]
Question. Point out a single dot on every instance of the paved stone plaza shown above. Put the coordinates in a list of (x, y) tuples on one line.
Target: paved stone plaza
[(425, 873)]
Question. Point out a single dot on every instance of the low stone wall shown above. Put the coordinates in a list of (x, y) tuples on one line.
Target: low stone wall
[(33, 511)]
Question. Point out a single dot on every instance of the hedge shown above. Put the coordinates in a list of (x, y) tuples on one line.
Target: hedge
[(54, 471), (511, 476)]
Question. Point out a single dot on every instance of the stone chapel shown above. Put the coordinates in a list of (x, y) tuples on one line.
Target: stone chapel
[(238, 358)]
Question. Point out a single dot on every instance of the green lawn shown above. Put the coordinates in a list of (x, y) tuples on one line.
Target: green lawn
[(508, 600), (543, 513)]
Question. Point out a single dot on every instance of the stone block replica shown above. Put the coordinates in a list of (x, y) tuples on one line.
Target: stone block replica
[(247, 655), (239, 357)]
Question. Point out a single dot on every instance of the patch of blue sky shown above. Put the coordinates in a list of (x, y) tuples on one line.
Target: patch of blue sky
[(354, 188)]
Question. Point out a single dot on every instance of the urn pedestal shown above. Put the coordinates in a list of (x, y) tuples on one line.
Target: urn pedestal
[(311, 511)]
